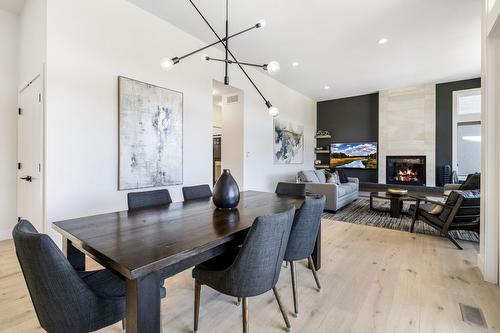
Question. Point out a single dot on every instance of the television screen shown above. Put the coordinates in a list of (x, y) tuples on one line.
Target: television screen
[(361, 155)]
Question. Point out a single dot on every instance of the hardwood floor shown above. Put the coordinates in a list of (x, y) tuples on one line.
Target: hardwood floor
[(374, 280)]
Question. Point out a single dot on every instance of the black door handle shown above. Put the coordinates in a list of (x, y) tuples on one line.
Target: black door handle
[(27, 178)]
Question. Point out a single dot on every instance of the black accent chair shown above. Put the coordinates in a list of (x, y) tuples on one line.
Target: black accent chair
[(461, 211), (293, 189), (250, 270), (196, 192), (303, 239), (66, 300), (138, 200)]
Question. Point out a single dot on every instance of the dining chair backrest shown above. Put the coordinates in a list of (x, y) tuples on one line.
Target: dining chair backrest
[(257, 267), (305, 229), (196, 192), (293, 189), (60, 297), (138, 200)]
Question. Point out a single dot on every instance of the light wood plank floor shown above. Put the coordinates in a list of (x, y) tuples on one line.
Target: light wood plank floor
[(374, 280)]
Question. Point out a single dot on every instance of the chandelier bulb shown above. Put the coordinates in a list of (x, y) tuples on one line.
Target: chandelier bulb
[(273, 67), (166, 64), (261, 24)]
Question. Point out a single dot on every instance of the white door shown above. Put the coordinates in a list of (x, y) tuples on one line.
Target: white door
[(30, 154)]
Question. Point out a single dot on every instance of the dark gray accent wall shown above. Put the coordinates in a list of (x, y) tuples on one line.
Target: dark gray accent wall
[(444, 120), (351, 119)]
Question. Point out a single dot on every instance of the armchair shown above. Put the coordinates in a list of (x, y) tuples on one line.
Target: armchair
[(459, 212)]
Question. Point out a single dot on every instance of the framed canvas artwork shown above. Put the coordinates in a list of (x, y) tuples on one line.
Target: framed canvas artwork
[(288, 142), (150, 135)]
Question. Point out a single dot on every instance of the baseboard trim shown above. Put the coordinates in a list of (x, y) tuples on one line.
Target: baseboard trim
[(5, 234)]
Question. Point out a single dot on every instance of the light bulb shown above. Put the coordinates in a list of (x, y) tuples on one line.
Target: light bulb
[(261, 24), (166, 64), (205, 56), (273, 67), (274, 111)]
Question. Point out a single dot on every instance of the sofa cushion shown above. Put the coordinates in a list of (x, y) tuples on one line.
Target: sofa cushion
[(346, 189), (321, 175), (308, 176)]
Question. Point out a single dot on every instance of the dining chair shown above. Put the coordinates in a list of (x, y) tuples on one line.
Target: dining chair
[(294, 189), (196, 192), (138, 200), (303, 239), (250, 270), (66, 300)]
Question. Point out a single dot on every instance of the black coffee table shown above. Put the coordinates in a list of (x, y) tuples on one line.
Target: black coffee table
[(396, 203)]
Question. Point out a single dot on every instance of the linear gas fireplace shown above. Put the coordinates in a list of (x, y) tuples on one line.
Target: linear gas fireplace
[(405, 170)]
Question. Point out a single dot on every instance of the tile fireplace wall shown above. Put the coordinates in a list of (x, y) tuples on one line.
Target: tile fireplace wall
[(407, 126)]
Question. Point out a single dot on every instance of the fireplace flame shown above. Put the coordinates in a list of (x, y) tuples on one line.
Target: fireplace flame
[(407, 174)]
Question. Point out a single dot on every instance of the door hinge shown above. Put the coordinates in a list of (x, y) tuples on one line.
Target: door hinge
[(19, 111), (18, 218), (39, 97), (19, 166), (39, 167)]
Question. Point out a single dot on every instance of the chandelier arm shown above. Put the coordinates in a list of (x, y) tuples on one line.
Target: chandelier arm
[(217, 42), (231, 54), (237, 62)]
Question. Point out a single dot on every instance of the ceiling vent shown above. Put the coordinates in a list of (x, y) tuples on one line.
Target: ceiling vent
[(232, 99)]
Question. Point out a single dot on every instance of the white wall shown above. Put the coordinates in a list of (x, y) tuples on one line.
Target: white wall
[(232, 150), (9, 30), (89, 44), (407, 126)]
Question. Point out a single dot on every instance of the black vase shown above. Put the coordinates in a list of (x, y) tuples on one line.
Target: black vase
[(226, 191)]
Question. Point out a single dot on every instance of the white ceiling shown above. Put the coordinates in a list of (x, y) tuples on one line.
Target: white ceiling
[(12, 6), (335, 41)]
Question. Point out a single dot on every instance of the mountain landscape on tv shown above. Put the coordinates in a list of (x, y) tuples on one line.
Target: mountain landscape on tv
[(354, 155)]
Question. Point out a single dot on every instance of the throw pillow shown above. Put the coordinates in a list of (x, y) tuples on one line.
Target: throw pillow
[(308, 176), (333, 178), (342, 176), (321, 175), (437, 209), (473, 182)]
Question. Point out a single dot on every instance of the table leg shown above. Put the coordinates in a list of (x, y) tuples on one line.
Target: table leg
[(396, 207), (143, 304), (316, 255), (75, 257)]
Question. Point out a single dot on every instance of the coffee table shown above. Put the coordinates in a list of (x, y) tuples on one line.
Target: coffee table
[(396, 203)]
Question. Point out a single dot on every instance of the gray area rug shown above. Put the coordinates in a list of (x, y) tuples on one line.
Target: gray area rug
[(359, 212)]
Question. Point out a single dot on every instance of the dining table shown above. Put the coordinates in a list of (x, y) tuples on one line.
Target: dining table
[(149, 245)]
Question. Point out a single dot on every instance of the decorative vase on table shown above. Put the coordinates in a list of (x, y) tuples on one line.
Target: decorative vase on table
[(226, 191)]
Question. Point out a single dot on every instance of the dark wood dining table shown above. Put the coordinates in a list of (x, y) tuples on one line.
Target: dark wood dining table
[(148, 245)]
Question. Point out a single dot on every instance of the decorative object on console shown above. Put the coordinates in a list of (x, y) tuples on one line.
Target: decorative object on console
[(226, 191), (397, 191), (322, 135), (150, 135), (317, 162), (271, 67), (288, 142)]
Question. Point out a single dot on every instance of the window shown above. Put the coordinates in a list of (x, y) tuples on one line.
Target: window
[(466, 132)]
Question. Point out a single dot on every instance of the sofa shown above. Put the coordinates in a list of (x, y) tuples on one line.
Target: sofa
[(337, 195)]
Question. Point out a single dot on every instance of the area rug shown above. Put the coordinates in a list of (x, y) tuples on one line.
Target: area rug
[(359, 212)]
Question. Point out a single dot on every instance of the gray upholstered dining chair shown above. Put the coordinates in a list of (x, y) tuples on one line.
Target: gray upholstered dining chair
[(196, 192), (66, 300), (138, 200), (294, 189), (250, 270), (303, 239)]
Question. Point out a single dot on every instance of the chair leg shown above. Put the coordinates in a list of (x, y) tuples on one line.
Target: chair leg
[(197, 296), (294, 288), (238, 301), (282, 309), (124, 325), (315, 274), (453, 241), (413, 222), (245, 314)]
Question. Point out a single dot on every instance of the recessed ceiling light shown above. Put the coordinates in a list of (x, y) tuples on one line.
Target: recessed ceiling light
[(295, 64), (327, 87), (382, 41)]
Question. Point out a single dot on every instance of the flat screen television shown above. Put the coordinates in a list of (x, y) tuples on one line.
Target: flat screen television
[(361, 155)]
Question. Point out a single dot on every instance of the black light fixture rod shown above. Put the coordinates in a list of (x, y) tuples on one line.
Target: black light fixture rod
[(226, 77), (217, 42), (229, 61), (230, 53)]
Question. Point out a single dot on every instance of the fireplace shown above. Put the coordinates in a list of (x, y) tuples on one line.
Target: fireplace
[(405, 170)]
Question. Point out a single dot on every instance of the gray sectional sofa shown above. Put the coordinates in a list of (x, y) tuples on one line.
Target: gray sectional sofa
[(337, 196)]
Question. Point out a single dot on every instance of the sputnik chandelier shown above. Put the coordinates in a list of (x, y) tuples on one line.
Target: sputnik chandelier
[(230, 59)]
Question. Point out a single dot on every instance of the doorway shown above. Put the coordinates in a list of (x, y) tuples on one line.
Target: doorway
[(30, 153), (228, 132)]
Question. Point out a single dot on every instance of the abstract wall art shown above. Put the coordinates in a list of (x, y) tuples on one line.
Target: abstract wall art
[(150, 135), (288, 142)]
